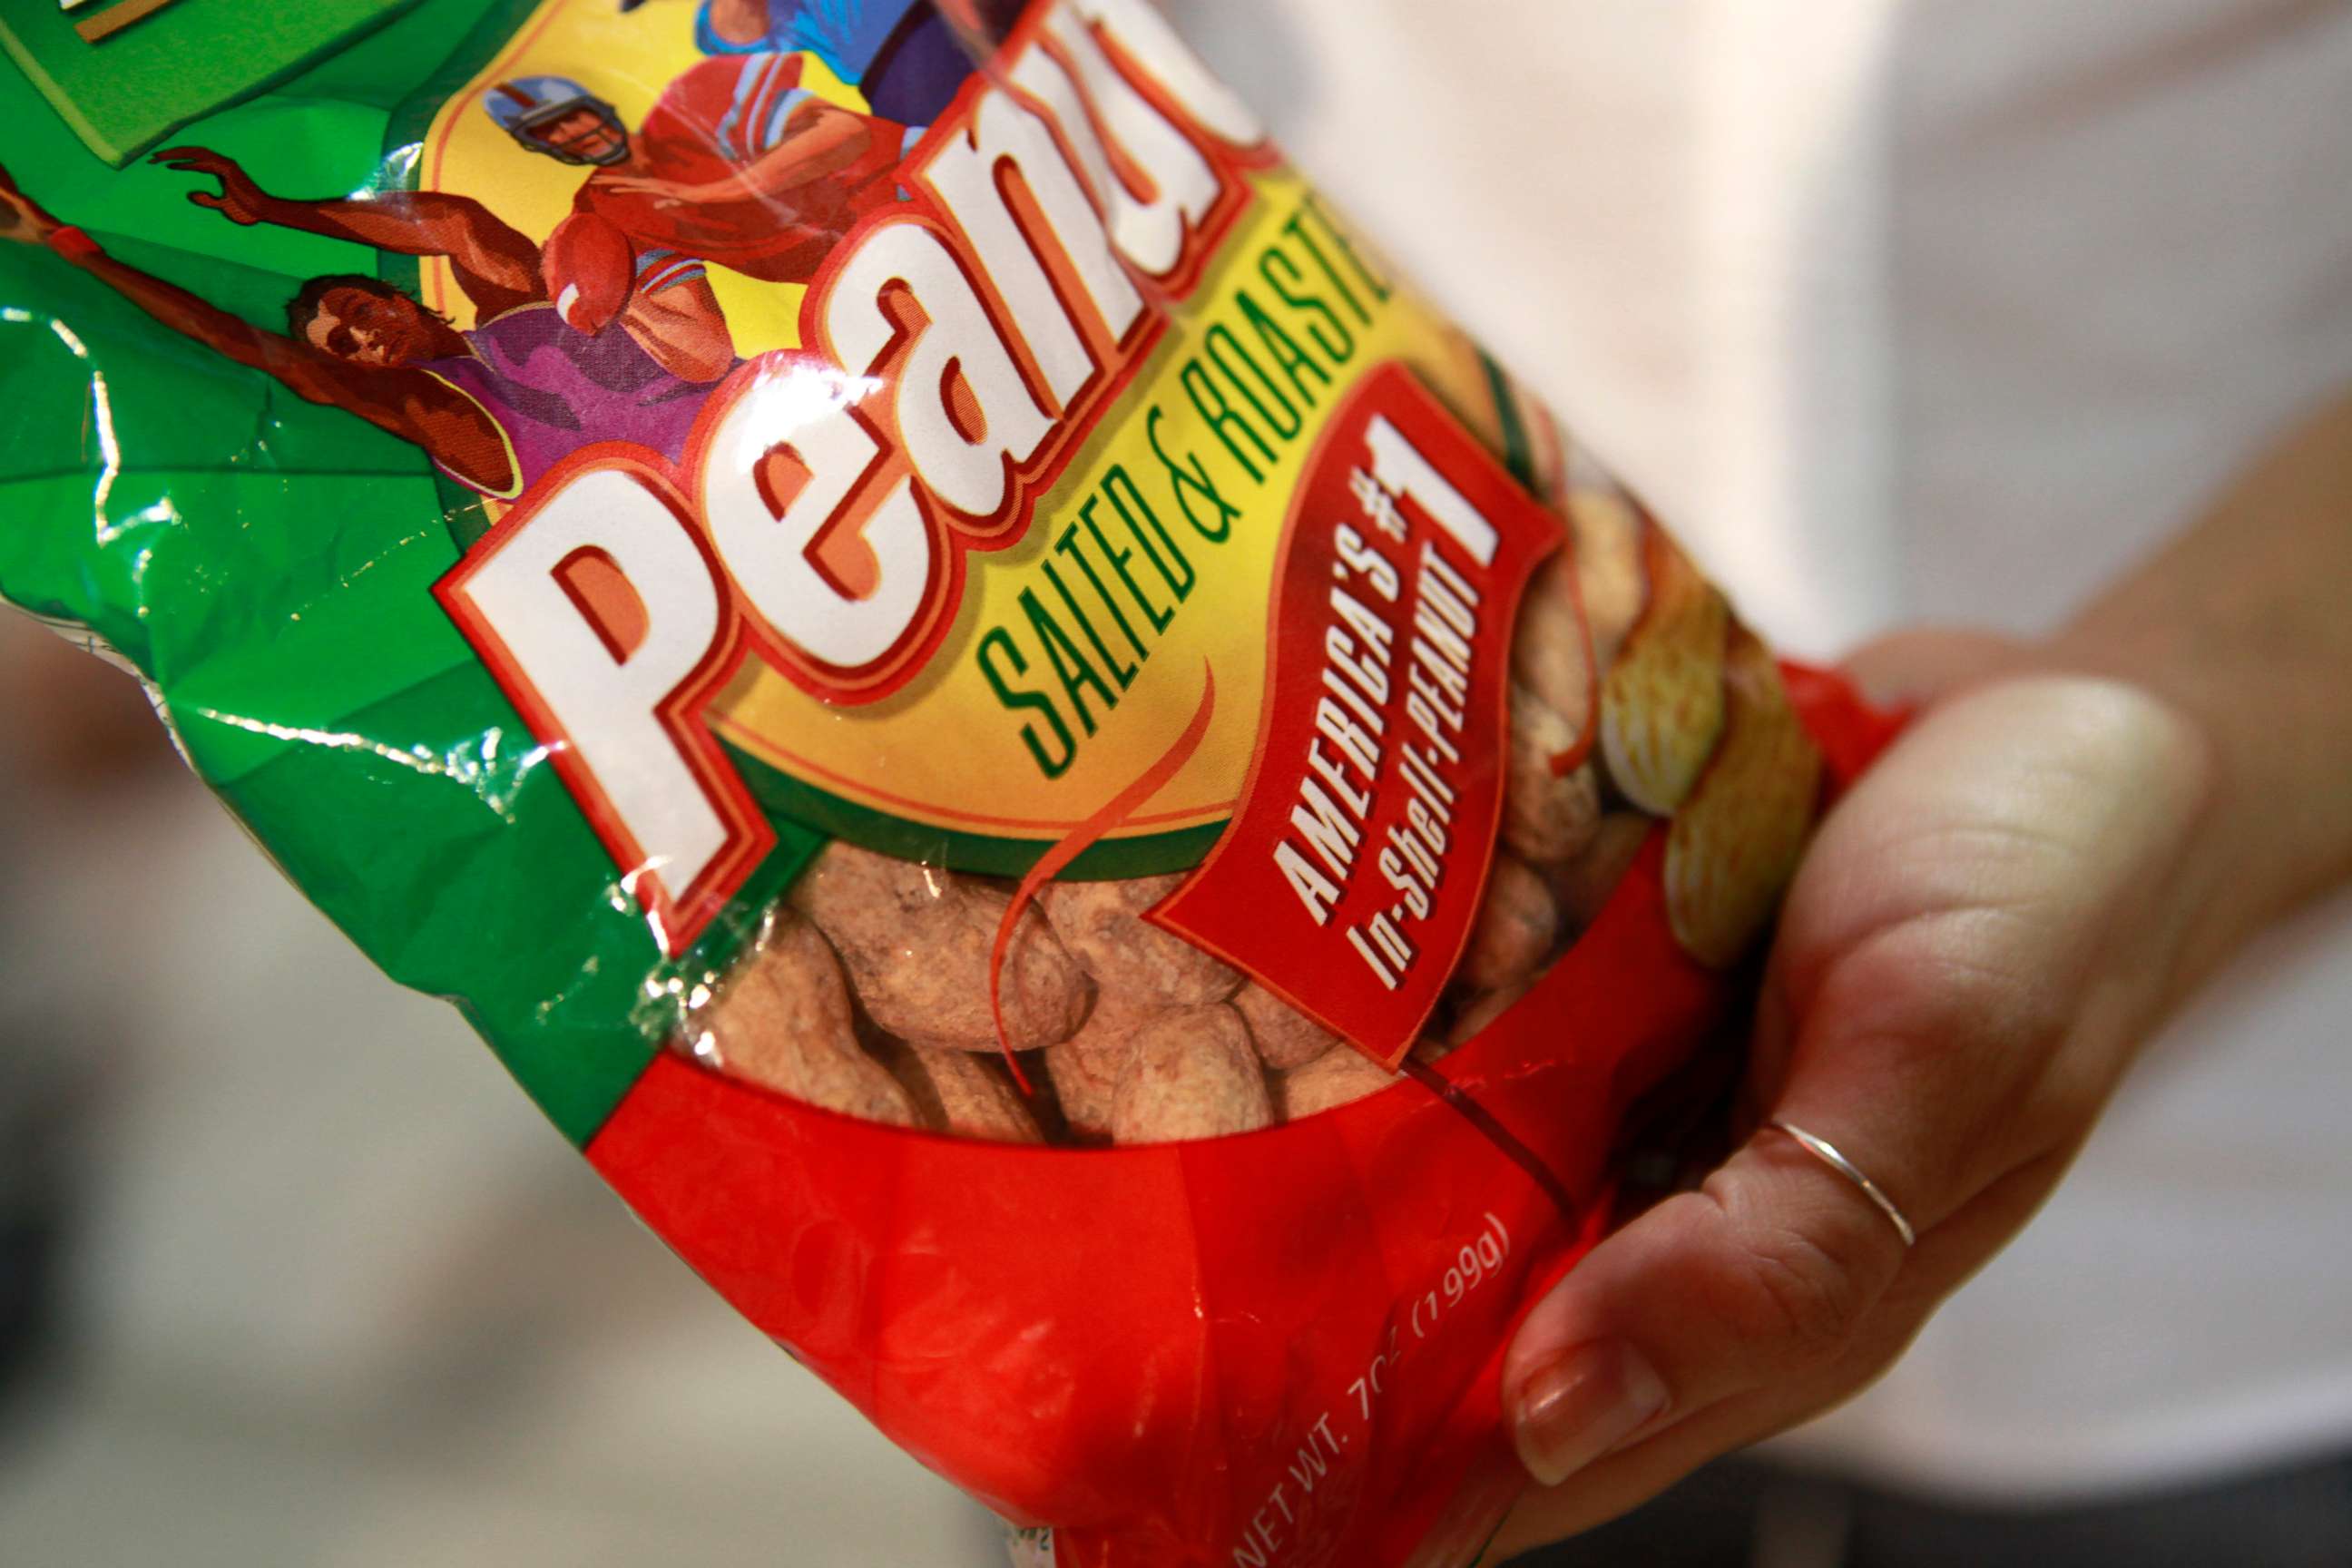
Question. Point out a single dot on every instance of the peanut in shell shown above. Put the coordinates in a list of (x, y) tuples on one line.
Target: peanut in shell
[(1113, 1020), (1086, 1082), (1735, 843), (1101, 925), (915, 941), (1193, 1074), (1547, 816), (965, 1094), (1084, 1068), (781, 1019), (1662, 701), (1284, 1037), (1517, 924), (1552, 656), (1339, 1078), (1605, 531)]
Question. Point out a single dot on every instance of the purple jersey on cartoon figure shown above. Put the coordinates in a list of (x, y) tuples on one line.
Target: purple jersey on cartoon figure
[(553, 390)]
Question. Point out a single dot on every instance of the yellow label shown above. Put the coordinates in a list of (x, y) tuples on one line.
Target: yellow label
[(993, 483), (1136, 576)]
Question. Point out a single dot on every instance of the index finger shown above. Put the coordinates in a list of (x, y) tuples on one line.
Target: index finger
[(1764, 1275), (1640, 1469)]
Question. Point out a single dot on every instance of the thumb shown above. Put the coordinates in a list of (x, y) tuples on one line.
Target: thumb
[(1763, 1276), (207, 199)]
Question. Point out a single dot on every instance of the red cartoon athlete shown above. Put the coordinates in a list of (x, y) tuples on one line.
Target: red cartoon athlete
[(495, 407), (738, 164)]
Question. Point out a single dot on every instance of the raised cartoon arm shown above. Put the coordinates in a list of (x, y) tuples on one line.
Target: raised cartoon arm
[(406, 403), (819, 140), (683, 330), (495, 264)]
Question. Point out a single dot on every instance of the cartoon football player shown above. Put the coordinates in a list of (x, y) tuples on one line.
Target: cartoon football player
[(736, 164), (904, 55), (495, 407)]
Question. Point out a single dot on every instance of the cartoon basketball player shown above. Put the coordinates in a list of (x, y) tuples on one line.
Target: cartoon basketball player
[(738, 164), (495, 407)]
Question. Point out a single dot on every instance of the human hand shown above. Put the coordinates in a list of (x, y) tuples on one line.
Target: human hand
[(239, 199), (1978, 939)]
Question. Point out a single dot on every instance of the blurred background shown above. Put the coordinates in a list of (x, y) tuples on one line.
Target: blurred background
[(289, 1274)]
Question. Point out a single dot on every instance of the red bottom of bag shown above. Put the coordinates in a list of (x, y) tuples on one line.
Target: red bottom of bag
[(1275, 1349)]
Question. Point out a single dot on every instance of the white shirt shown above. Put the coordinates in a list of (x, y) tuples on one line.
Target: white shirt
[(1941, 311)]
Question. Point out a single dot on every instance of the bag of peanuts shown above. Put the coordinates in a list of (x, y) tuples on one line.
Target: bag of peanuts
[(1062, 786)]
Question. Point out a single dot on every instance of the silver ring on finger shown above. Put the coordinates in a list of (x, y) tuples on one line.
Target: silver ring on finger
[(1824, 1150)]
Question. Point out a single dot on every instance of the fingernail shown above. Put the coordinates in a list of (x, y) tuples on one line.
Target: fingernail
[(1582, 1405)]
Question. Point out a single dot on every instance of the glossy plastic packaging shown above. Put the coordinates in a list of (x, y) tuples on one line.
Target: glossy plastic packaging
[(1062, 787)]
